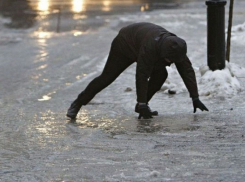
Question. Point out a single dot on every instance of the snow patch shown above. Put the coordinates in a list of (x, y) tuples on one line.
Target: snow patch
[(239, 28), (238, 34), (237, 70), (221, 83)]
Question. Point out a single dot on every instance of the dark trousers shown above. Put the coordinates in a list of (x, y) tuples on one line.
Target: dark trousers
[(120, 57)]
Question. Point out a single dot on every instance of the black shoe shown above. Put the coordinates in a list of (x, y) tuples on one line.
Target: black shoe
[(153, 113), (74, 109)]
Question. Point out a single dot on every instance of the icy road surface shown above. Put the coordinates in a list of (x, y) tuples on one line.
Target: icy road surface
[(41, 73)]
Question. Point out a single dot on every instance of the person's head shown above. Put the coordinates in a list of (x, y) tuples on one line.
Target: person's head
[(174, 49)]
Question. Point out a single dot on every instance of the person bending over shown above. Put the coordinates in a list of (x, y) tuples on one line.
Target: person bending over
[(153, 48)]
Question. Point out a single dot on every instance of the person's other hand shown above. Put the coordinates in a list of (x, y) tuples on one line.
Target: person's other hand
[(198, 104), (144, 112)]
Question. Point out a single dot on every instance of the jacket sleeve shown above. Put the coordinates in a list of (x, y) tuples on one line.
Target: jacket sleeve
[(145, 65), (187, 73)]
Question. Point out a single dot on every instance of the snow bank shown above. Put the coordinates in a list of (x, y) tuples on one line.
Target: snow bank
[(219, 83), (223, 83), (236, 70)]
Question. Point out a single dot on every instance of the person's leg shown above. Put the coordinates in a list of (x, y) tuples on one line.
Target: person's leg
[(156, 81), (158, 77), (115, 65)]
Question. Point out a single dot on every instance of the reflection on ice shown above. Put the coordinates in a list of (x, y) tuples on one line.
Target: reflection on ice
[(45, 98), (122, 124), (79, 17), (106, 6), (36, 76), (42, 42), (42, 35), (43, 5), (44, 130), (145, 7), (42, 67), (78, 6), (77, 33)]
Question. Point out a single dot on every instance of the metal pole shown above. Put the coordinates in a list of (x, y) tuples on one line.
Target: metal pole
[(229, 31), (216, 34)]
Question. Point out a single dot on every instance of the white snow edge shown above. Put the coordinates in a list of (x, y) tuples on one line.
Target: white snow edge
[(219, 83)]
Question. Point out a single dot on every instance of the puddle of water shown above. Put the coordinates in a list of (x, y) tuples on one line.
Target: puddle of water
[(163, 124)]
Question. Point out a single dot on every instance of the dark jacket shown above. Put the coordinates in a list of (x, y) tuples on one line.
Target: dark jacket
[(144, 40)]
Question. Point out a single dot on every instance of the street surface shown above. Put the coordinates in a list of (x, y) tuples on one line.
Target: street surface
[(41, 73)]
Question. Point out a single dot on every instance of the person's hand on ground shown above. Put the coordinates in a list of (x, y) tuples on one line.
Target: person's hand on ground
[(198, 104)]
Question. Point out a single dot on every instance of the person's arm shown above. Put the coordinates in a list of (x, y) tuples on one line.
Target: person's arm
[(187, 73), (145, 65)]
